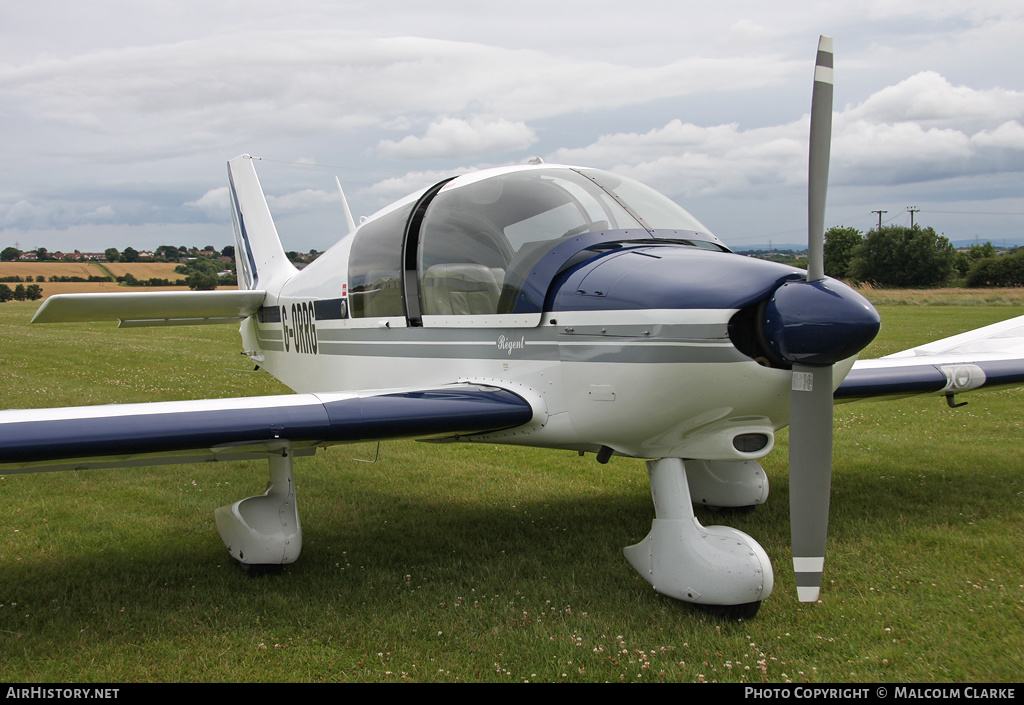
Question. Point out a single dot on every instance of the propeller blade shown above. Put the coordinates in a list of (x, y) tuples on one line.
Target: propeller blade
[(810, 473), (817, 166), (810, 408)]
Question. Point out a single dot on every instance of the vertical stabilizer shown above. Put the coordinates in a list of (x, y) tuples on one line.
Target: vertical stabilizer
[(259, 258)]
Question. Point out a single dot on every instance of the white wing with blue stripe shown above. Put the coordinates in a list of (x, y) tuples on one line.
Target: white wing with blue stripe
[(985, 358), (123, 435)]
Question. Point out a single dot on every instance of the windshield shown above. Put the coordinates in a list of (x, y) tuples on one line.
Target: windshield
[(483, 233), (495, 218), (654, 210)]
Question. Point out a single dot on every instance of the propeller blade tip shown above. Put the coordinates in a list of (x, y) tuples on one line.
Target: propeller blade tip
[(808, 577), (808, 594), (823, 63)]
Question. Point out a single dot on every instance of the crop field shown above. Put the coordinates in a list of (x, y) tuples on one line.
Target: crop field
[(144, 270), (51, 269), (140, 270), (442, 563)]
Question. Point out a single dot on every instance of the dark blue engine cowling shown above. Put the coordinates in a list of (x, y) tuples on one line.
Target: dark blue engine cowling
[(666, 277), (783, 319)]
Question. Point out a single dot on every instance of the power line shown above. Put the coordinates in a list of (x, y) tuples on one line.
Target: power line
[(879, 218), (330, 166), (974, 213), (912, 210), (333, 166)]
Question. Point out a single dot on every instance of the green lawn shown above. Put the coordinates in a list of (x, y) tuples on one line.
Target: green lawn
[(487, 563)]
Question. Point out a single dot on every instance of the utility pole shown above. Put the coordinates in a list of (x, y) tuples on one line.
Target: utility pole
[(879, 218), (912, 210)]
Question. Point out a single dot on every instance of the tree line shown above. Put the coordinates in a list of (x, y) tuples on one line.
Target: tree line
[(164, 253), (32, 292), (917, 257)]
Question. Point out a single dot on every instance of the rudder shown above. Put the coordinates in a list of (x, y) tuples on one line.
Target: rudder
[(259, 258)]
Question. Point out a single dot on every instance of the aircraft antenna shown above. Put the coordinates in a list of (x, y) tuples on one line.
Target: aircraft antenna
[(344, 202)]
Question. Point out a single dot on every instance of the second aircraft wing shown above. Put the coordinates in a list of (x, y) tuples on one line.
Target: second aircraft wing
[(992, 356), (124, 435)]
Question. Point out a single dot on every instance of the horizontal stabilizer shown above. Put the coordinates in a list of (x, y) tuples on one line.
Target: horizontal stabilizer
[(152, 308), (123, 435), (985, 358)]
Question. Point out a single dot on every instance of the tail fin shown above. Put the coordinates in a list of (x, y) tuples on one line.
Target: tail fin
[(259, 258)]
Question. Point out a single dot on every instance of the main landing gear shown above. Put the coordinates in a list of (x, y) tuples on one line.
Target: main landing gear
[(263, 533), (717, 566)]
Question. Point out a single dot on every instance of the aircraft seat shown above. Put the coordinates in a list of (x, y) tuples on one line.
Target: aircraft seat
[(462, 288)]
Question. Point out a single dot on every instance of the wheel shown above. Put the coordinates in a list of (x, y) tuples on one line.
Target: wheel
[(734, 612), (730, 510), (258, 570)]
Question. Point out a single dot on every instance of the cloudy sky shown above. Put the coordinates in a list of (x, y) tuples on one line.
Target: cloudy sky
[(117, 118)]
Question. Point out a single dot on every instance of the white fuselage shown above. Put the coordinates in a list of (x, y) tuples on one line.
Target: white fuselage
[(647, 383)]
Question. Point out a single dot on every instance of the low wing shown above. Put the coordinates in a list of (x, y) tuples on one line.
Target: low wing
[(122, 435), (152, 308), (988, 357)]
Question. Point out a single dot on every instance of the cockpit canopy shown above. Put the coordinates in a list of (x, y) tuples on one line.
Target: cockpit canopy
[(466, 246)]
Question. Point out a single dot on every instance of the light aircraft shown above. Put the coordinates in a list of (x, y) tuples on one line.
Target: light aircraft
[(542, 305)]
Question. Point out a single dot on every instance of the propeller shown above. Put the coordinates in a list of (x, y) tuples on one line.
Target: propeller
[(810, 415), (811, 324)]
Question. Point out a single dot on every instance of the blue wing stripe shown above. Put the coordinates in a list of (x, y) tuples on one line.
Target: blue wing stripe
[(906, 380), (426, 413), (999, 373), (179, 426), (890, 381)]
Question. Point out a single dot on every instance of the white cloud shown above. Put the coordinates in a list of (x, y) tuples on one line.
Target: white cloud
[(921, 129), (928, 97), (102, 213), (136, 107), (1009, 135), (182, 96), (25, 214), (868, 153), (215, 202), (451, 137), (979, 11), (386, 191), (683, 159), (925, 129), (299, 201)]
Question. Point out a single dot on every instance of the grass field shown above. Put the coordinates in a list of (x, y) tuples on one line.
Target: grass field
[(487, 563)]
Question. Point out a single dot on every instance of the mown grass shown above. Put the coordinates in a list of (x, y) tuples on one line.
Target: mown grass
[(956, 296), (488, 563)]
